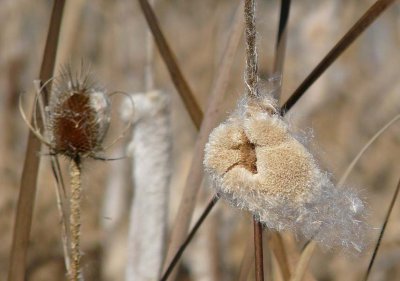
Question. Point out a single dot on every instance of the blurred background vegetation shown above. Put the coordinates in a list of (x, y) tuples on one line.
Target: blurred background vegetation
[(342, 110)]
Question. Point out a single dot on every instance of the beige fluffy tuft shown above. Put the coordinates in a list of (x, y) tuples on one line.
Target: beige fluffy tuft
[(257, 164)]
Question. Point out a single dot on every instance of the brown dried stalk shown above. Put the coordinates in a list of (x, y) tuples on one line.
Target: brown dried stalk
[(382, 232), (213, 112), (247, 260), (258, 250), (170, 60), (251, 80), (277, 246), (26, 197)]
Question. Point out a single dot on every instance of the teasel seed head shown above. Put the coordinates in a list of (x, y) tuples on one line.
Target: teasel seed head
[(78, 115)]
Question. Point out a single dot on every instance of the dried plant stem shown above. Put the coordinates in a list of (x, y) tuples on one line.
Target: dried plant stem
[(251, 81), (366, 146), (71, 24), (26, 198), (258, 250), (305, 258), (189, 238), (212, 116), (251, 71), (367, 19), (278, 248), (280, 47), (75, 219), (148, 69), (63, 209), (170, 60), (382, 232), (306, 255)]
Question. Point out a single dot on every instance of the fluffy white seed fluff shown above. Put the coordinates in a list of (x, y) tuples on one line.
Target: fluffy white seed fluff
[(151, 148), (258, 165)]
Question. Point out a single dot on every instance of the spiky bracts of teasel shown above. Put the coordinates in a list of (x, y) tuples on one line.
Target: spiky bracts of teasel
[(78, 116), (257, 164)]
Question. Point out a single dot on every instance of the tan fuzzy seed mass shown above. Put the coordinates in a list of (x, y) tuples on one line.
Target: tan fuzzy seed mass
[(266, 160), (256, 164)]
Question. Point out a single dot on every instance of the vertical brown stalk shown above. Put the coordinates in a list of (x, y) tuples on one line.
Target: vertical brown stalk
[(26, 197), (258, 250), (251, 71), (75, 219), (251, 81)]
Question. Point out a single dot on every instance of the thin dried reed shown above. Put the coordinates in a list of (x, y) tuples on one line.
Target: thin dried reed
[(26, 198)]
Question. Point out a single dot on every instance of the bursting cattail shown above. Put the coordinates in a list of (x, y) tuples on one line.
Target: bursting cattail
[(257, 164)]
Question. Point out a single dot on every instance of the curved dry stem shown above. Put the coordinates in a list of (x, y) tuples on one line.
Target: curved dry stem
[(278, 248), (306, 255), (366, 20), (193, 181), (366, 146), (172, 65), (39, 90), (127, 127), (305, 258), (28, 187)]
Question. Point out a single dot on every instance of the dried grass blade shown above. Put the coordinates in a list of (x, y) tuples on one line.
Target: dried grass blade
[(367, 19), (26, 197), (171, 62), (277, 246), (304, 255), (247, 261), (195, 176), (366, 146), (189, 238), (378, 243), (305, 258), (280, 47)]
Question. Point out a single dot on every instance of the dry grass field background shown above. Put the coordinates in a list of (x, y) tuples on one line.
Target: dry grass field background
[(356, 97)]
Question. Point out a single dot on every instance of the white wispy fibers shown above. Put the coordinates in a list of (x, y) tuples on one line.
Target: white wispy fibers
[(257, 164), (150, 149)]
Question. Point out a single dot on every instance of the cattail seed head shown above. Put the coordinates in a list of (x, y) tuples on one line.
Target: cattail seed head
[(79, 116), (257, 164)]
